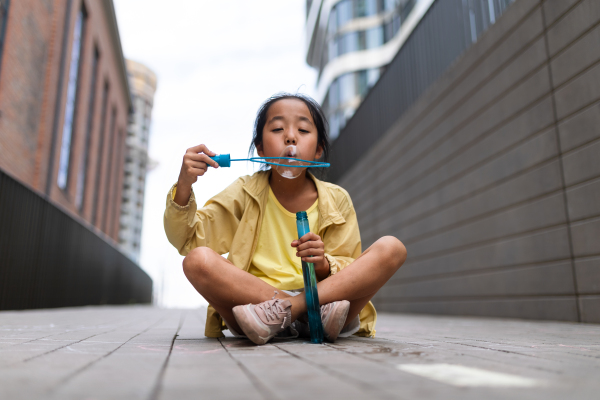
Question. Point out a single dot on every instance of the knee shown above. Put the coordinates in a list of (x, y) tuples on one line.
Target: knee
[(197, 262), (393, 251)]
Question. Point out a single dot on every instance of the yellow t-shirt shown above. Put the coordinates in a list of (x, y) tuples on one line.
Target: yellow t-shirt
[(274, 260)]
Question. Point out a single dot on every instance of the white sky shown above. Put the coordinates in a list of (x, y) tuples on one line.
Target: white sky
[(216, 62)]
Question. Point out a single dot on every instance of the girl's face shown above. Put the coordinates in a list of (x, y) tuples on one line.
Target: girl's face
[(289, 122)]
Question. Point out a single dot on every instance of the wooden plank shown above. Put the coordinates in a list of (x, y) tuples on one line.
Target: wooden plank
[(133, 370), (493, 345), (42, 374), (68, 329), (144, 359), (287, 376), (201, 367)]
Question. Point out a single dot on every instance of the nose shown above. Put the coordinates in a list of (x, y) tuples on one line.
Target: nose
[(290, 138)]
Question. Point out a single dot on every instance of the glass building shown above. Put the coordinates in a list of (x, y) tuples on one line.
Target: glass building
[(143, 86), (350, 43)]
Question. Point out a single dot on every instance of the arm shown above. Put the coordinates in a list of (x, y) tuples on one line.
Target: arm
[(213, 225)]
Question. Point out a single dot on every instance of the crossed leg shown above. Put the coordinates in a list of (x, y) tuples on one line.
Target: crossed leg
[(225, 286)]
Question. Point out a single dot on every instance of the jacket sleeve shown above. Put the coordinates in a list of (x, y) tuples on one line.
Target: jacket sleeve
[(342, 241), (212, 226)]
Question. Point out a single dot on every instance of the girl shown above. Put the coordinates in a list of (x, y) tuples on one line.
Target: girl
[(255, 291)]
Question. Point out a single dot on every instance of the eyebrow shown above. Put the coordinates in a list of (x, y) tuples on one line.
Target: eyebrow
[(280, 118)]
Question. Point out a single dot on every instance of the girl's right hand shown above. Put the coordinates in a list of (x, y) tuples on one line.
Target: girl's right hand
[(195, 163)]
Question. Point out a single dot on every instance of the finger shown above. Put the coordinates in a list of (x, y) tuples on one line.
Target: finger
[(198, 164), (310, 252), (202, 149), (194, 156), (206, 159), (196, 171), (295, 243), (201, 157), (310, 245), (309, 236)]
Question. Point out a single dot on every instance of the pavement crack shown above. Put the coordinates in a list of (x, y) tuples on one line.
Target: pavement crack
[(369, 388), (88, 365), (538, 368), (66, 345), (158, 385), (260, 387)]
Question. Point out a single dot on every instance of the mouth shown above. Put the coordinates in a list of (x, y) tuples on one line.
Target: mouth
[(291, 153)]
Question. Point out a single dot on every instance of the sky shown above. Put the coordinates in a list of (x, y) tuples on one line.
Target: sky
[(216, 62)]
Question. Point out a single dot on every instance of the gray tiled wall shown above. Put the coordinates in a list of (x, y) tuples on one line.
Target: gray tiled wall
[(492, 178)]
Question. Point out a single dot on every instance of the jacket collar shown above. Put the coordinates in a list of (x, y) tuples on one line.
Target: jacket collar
[(257, 187)]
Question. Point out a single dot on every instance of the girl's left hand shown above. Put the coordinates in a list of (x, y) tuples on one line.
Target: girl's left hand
[(310, 248)]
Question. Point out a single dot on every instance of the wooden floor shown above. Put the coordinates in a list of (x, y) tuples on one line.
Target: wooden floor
[(135, 352)]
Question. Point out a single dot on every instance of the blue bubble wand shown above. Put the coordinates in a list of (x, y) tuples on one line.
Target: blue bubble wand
[(224, 160)]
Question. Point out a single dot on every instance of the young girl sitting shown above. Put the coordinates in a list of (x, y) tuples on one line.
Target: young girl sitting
[(255, 291)]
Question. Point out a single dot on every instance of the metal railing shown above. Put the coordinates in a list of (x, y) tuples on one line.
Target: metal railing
[(49, 259), (445, 32)]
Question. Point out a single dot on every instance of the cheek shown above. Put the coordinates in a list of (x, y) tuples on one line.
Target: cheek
[(271, 145), (313, 145)]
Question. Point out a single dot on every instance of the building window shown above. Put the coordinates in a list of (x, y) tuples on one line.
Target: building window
[(3, 20), (340, 43), (480, 14), (70, 107), (99, 163), (374, 37), (109, 168), (344, 12), (83, 168)]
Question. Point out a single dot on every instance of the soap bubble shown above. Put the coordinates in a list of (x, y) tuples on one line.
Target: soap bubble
[(289, 169)]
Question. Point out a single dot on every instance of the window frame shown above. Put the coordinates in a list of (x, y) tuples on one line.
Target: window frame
[(72, 101), (4, 7)]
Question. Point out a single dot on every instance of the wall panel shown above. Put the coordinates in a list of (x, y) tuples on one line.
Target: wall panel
[(491, 176)]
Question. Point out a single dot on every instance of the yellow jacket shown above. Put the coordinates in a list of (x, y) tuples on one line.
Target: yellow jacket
[(230, 223)]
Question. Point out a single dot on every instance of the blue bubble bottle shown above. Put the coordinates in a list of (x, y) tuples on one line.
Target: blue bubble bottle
[(310, 286)]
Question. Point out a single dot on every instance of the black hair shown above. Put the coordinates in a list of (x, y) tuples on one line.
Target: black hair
[(316, 112)]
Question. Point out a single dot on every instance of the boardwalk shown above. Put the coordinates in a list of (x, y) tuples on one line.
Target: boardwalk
[(135, 352)]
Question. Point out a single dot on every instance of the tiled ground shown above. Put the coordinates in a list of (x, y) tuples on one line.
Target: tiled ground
[(134, 352)]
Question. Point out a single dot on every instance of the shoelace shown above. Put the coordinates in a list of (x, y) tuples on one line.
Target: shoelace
[(271, 310), (325, 308)]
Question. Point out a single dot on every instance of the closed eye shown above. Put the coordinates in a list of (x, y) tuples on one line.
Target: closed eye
[(277, 129), (303, 131)]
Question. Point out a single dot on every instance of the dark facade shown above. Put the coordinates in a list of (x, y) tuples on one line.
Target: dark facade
[(48, 259), (485, 163), (64, 106)]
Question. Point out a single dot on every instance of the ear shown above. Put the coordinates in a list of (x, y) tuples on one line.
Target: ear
[(259, 150), (319, 152)]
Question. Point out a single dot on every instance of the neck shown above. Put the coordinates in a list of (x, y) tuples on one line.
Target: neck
[(289, 188)]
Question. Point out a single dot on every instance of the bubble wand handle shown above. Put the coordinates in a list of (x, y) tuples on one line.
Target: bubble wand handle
[(310, 286)]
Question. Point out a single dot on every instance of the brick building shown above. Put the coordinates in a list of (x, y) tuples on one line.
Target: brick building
[(64, 104)]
